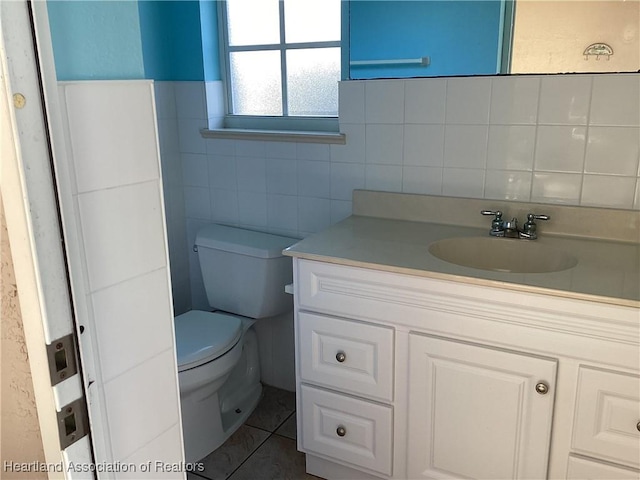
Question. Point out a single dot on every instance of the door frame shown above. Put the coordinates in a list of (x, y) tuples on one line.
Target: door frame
[(29, 134)]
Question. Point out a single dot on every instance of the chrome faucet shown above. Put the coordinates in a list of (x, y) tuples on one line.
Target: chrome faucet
[(509, 228)]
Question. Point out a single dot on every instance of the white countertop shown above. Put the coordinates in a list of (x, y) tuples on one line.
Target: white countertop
[(607, 271)]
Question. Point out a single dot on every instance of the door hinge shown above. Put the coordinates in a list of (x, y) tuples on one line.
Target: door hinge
[(73, 422), (62, 359)]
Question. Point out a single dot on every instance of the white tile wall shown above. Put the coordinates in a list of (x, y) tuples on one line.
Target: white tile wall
[(559, 139), (123, 264)]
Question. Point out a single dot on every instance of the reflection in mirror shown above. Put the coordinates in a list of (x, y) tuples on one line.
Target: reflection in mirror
[(426, 38)]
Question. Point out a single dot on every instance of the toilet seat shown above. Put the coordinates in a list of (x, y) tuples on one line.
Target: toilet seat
[(204, 336)]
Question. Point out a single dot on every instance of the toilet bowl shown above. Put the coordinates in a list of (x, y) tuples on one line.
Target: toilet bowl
[(244, 273)]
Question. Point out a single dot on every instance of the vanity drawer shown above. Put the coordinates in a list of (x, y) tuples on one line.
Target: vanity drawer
[(607, 419), (346, 428), (350, 356)]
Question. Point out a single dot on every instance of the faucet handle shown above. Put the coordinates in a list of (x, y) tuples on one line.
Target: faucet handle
[(497, 228), (529, 228), (532, 216)]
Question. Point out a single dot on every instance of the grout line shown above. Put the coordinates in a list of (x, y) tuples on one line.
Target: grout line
[(249, 456)]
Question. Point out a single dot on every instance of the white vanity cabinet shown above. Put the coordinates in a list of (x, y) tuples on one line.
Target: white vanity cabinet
[(408, 376)]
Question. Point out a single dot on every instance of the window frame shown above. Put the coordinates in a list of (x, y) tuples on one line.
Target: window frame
[(285, 121)]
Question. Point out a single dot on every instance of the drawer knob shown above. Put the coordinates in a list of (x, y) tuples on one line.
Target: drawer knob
[(542, 388), (341, 431), (341, 357), (638, 426)]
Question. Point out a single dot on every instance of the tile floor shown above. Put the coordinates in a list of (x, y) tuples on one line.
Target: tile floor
[(264, 448)]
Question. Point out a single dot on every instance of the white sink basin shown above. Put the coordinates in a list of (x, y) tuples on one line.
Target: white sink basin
[(502, 255)]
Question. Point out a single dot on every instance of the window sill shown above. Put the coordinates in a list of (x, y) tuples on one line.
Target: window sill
[(296, 136)]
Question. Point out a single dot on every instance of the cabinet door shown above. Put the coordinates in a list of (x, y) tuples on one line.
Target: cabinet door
[(477, 412)]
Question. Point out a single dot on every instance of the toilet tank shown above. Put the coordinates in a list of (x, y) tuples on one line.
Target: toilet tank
[(244, 271)]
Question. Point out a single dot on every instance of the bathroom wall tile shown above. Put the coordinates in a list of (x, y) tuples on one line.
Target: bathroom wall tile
[(214, 92), (511, 147), (514, 100), (424, 100), (189, 135), (282, 212), (224, 206), (222, 172), (117, 224), (197, 203), (280, 150), (354, 150), (313, 151), (250, 148), (424, 145), (127, 398), (384, 101), (351, 101), (165, 97), (340, 209), (463, 182), (264, 332), (422, 180), (386, 178), (252, 209), (195, 170), (119, 146), (314, 179), (615, 100), (198, 294), (468, 100), (190, 100), (171, 170), (508, 185), (465, 146), (167, 446), (345, 177), (564, 99), (314, 214), (560, 148), (284, 351), (252, 174), (613, 150), (608, 191), (282, 176), (168, 136), (220, 146), (384, 144), (563, 188), (123, 313)]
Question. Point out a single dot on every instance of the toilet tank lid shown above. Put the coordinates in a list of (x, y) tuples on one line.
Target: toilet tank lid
[(244, 242)]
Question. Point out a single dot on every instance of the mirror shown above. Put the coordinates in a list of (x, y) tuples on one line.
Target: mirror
[(428, 38)]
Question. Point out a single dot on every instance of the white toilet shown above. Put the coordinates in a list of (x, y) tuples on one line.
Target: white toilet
[(244, 274)]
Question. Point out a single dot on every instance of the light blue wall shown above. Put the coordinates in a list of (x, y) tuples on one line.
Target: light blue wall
[(161, 40), (461, 37), (210, 44), (173, 35), (96, 39)]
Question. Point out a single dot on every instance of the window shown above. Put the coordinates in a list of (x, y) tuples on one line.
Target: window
[(281, 61)]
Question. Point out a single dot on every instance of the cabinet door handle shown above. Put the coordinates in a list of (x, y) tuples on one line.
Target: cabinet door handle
[(341, 357), (542, 388), (341, 431), (638, 426)]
